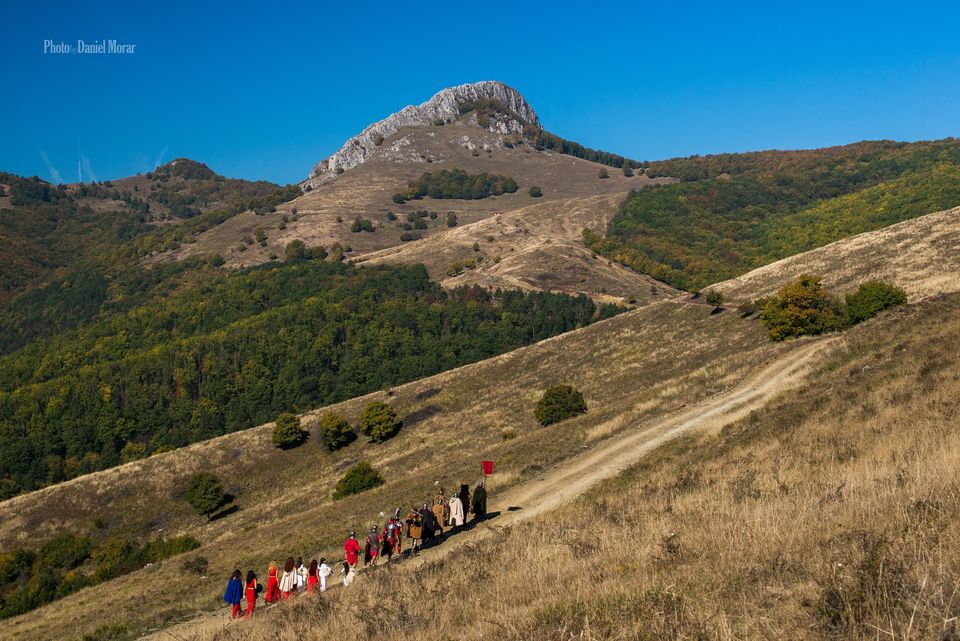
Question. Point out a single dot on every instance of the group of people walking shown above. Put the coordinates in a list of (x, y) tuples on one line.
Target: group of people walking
[(424, 527)]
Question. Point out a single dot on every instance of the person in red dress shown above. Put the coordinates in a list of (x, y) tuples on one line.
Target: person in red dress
[(352, 549), (253, 588), (273, 584), (313, 576)]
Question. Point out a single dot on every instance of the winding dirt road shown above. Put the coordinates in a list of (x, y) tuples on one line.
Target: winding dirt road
[(574, 477)]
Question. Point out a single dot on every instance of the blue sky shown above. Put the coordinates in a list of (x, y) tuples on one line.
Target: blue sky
[(264, 90)]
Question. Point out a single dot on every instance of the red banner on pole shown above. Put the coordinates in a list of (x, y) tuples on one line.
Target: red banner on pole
[(487, 466)]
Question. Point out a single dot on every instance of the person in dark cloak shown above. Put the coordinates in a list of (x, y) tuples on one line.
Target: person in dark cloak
[(429, 525), (464, 495), (479, 505)]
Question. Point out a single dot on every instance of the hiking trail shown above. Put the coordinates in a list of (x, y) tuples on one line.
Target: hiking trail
[(574, 477)]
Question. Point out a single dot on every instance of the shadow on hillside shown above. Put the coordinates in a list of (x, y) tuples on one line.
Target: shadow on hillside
[(233, 509), (468, 526)]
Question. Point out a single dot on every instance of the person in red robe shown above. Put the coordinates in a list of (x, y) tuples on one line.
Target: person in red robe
[(273, 584), (372, 547), (253, 588), (313, 576), (351, 549)]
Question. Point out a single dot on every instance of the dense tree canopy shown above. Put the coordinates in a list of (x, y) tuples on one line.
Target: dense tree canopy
[(716, 226), (234, 350), (457, 183)]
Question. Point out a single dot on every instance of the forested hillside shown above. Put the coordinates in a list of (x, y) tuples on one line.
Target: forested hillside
[(68, 253), (734, 212), (240, 348)]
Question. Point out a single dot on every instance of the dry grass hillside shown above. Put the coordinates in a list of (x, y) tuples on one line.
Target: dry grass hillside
[(829, 514), (366, 191), (921, 255), (654, 361), (535, 247), (824, 514)]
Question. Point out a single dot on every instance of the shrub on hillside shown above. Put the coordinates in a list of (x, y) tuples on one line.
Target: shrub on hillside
[(359, 478), (603, 173), (287, 432), (361, 224), (535, 192), (205, 494), (627, 171), (379, 421), (559, 403), (872, 298), (295, 250), (713, 297), (802, 308), (335, 431)]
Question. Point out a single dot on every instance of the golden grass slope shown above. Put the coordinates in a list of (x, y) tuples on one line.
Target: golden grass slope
[(632, 368), (921, 255), (537, 247), (366, 191), (830, 514)]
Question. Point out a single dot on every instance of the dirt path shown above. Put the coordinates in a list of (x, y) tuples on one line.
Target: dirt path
[(574, 477)]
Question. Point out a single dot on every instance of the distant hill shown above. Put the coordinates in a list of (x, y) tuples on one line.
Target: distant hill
[(475, 129), (68, 250), (735, 212)]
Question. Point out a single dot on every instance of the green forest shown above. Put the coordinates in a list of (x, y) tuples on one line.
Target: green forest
[(239, 348), (730, 214), (456, 183), (68, 562)]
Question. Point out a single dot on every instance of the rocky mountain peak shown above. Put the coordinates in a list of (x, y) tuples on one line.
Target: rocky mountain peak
[(448, 105)]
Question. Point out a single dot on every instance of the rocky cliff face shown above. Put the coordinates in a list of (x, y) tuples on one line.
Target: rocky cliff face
[(445, 106)]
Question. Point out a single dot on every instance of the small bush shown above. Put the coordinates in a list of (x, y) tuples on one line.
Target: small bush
[(335, 431), (714, 298), (361, 224), (391, 216), (287, 432), (559, 403), (627, 171), (205, 494), (603, 173), (378, 140), (359, 478), (451, 219), (379, 421), (410, 235), (872, 298), (535, 192)]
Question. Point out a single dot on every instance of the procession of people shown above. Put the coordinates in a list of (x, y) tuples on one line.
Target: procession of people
[(423, 527)]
